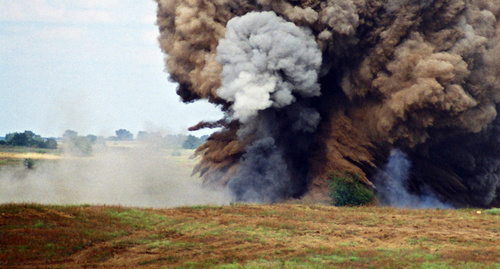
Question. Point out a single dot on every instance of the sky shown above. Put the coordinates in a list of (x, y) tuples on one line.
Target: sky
[(92, 66)]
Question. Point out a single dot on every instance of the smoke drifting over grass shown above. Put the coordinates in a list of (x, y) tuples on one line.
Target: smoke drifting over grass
[(421, 76), (130, 176)]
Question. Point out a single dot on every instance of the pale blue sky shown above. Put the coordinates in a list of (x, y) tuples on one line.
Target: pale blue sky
[(93, 66)]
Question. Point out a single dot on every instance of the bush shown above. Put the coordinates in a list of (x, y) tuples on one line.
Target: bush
[(346, 190), (29, 163)]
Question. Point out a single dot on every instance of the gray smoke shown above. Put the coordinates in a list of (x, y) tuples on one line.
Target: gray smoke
[(266, 61), (392, 185), (262, 164), (270, 67)]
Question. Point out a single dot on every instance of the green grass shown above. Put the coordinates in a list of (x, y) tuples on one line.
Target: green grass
[(493, 211), (139, 219), (12, 149), (5, 162)]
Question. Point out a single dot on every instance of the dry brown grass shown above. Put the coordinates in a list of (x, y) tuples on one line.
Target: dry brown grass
[(29, 155), (253, 236)]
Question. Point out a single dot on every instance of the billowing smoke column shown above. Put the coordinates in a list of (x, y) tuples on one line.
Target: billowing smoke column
[(313, 87), (266, 63)]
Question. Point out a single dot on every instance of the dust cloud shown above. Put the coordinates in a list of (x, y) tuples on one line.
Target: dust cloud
[(139, 175)]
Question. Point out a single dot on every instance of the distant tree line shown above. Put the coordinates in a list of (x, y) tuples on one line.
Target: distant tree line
[(28, 139), (172, 141), (82, 145)]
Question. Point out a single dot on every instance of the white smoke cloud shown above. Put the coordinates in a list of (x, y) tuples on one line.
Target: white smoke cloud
[(266, 60)]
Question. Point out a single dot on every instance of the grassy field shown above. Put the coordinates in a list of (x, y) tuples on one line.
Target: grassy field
[(15, 155), (247, 236)]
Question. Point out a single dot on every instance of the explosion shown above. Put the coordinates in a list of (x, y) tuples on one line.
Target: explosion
[(312, 88)]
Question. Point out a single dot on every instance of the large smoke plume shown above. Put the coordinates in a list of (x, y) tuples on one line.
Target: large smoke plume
[(317, 87)]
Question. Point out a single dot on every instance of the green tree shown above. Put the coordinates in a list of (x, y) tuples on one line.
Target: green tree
[(69, 134), (17, 139), (96, 140), (50, 143), (92, 138), (28, 139), (124, 135), (77, 145), (191, 142)]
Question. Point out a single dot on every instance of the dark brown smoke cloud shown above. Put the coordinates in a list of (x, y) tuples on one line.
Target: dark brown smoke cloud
[(362, 78)]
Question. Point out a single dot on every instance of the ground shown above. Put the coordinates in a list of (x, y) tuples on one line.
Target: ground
[(247, 236)]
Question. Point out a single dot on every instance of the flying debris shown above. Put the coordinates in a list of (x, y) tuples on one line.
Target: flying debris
[(314, 87)]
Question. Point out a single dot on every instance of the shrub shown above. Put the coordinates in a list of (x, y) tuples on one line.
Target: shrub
[(346, 190), (29, 163)]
